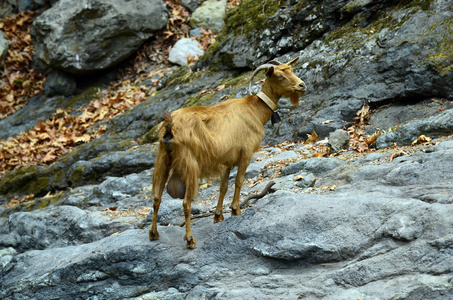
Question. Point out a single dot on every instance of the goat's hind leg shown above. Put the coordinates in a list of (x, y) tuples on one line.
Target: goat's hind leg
[(242, 167), (160, 176), (191, 187), (218, 216)]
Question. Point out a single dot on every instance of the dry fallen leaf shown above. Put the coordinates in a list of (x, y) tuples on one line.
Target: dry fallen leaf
[(298, 177), (397, 154), (363, 114), (312, 138), (421, 140), (372, 138)]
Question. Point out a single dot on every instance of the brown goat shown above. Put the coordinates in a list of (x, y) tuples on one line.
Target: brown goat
[(201, 142)]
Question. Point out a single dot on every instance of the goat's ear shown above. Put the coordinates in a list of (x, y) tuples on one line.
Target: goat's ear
[(293, 61), (270, 71)]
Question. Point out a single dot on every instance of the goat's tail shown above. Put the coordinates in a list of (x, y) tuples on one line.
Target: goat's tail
[(168, 123)]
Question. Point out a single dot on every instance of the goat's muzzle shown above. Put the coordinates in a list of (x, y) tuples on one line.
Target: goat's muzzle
[(302, 87)]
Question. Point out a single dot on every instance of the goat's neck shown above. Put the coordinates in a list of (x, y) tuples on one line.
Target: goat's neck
[(267, 89), (266, 112)]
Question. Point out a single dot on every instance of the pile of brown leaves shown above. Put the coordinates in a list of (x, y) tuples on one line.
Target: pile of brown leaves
[(359, 141), (51, 138), (15, 200), (18, 81)]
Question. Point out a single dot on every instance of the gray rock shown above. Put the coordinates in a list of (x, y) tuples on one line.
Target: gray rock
[(308, 180), (321, 166), (338, 140), (372, 234), (5, 256), (183, 48), (397, 114), (114, 163), (195, 32), (36, 5), (294, 168), (4, 46), (59, 83), (209, 15), (190, 5), (374, 241), (82, 37), (404, 135), (286, 155), (60, 226)]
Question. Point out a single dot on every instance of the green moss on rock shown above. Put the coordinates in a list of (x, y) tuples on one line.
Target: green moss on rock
[(19, 181), (249, 16), (442, 55), (77, 175), (152, 135), (237, 81), (204, 100), (82, 98), (243, 20), (423, 4), (182, 75), (39, 186)]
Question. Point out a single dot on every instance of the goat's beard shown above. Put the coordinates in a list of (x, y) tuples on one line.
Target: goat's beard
[(294, 98)]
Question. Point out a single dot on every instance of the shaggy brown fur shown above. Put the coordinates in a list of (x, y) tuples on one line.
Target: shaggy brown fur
[(203, 142)]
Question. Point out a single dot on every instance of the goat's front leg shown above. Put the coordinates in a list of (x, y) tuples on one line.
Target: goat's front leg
[(218, 216), (187, 204), (153, 233), (242, 167)]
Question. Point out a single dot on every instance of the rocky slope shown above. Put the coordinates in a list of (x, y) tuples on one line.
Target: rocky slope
[(376, 225)]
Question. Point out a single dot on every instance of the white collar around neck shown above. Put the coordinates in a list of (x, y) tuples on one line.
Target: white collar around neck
[(267, 100)]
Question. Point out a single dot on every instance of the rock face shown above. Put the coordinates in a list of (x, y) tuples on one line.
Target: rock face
[(348, 226), (82, 37), (59, 83), (404, 135), (350, 52), (389, 238)]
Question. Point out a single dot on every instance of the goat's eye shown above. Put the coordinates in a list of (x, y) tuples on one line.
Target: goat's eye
[(280, 77)]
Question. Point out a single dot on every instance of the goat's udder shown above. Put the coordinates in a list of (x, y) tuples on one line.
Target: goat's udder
[(175, 187)]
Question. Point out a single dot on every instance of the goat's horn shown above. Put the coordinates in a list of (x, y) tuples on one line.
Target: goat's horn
[(293, 61), (262, 67), (275, 62)]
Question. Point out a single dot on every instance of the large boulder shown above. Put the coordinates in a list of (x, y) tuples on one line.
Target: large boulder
[(82, 37), (209, 15)]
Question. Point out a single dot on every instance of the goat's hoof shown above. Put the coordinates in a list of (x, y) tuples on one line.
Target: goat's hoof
[(218, 218), (153, 234), (190, 242), (236, 211)]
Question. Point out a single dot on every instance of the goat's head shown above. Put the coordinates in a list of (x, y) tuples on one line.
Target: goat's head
[(282, 79)]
